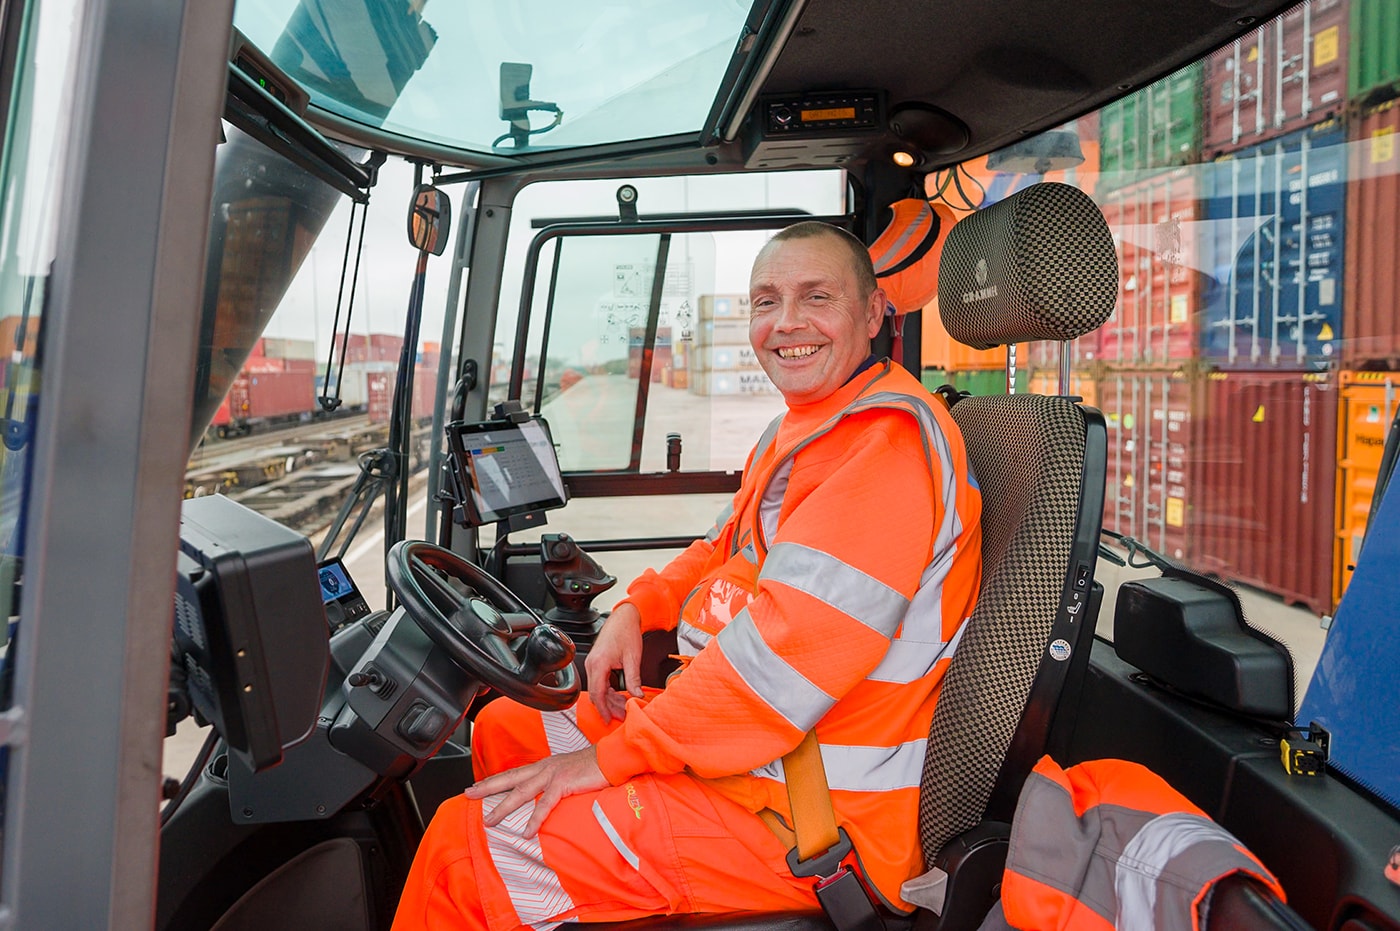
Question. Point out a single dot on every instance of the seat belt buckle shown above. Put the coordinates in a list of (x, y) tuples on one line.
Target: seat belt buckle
[(839, 888)]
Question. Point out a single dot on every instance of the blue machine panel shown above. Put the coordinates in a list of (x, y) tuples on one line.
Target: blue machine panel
[(1273, 249), (1355, 690)]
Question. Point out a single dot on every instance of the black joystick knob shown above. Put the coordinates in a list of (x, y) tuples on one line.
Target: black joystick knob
[(547, 649)]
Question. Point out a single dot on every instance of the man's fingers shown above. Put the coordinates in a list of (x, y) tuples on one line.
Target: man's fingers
[(508, 806), (632, 674), (543, 806)]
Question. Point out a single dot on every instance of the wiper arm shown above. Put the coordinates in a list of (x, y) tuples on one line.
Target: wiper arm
[(377, 470)]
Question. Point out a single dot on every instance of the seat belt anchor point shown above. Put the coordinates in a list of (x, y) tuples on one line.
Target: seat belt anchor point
[(825, 865)]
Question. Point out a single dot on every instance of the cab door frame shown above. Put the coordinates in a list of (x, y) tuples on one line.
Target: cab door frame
[(120, 319)]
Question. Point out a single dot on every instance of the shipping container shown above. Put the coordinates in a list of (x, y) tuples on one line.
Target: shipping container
[(1367, 406), (724, 306), (1372, 291), (1263, 476), (1045, 354), (380, 387), (726, 331), (1375, 46), (273, 347), (1082, 385), (727, 358), (1156, 127), (705, 383), (938, 350), (1152, 222), (976, 382), (354, 387), (1288, 74), (1273, 244), (1147, 489), (266, 397)]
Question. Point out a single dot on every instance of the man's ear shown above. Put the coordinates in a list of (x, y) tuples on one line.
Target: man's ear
[(875, 312)]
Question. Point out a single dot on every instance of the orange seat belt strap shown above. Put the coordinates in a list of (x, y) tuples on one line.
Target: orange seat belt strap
[(822, 846), (813, 820)]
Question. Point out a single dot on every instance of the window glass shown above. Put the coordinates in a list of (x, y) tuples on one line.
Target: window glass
[(30, 201), (1248, 374), (547, 73)]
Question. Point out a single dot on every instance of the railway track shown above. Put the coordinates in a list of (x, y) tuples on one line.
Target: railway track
[(298, 477)]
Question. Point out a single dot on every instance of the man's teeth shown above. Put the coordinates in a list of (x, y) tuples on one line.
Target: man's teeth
[(796, 352)]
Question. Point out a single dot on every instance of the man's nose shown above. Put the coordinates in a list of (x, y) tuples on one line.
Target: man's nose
[(789, 315)]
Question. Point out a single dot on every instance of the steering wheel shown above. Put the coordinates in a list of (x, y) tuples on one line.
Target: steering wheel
[(485, 629)]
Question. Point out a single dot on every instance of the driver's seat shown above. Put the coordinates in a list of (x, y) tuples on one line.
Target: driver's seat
[(1046, 262)]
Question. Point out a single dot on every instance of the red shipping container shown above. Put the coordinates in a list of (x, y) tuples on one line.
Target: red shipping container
[(1263, 475), (1146, 495), (1290, 73), (299, 365), (380, 386), (1153, 223), (1372, 289), (265, 396)]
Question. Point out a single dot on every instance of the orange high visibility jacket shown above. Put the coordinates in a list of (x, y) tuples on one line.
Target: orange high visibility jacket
[(1108, 844), (830, 595)]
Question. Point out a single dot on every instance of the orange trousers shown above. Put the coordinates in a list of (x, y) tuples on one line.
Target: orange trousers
[(652, 846)]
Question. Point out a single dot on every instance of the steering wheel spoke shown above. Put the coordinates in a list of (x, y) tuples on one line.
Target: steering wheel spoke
[(485, 629)]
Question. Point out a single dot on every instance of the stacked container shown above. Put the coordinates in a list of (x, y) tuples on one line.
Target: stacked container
[(1370, 352), (720, 361), (1289, 74), (1143, 357), (1272, 246)]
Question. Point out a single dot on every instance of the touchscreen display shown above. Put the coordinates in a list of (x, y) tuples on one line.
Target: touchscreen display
[(506, 468), (335, 582)]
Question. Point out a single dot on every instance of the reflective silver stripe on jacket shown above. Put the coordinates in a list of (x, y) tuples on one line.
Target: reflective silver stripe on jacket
[(690, 640), (1112, 859), (720, 521), (859, 596), (534, 888), (782, 688), (864, 769), (920, 643)]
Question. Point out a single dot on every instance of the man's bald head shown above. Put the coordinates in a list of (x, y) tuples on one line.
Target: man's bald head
[(860, 256)]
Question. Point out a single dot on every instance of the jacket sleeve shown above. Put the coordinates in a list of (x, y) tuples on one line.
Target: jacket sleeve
[(856, 534), (658, 596)]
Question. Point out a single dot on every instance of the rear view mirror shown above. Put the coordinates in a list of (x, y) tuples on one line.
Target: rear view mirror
[(429, 219)]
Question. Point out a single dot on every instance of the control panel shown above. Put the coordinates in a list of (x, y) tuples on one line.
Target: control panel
[(339, 594)]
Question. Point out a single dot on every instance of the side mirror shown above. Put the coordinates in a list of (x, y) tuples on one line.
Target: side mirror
[(429, 219)]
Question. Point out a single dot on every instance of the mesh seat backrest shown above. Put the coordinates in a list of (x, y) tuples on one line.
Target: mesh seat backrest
[(1027, 452)]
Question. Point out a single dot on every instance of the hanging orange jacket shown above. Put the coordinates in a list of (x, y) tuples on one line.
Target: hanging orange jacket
[(1109, 845), (830, 596)]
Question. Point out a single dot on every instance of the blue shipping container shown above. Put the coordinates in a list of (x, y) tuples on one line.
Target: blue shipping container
[(1272, 248)]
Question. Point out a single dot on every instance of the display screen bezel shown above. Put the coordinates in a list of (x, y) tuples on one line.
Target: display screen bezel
[(462, 437)]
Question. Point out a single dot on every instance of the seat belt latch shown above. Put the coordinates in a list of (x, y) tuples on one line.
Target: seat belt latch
[(839, 889)]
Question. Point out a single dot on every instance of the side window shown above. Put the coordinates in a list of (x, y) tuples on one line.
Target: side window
[(637, 346)]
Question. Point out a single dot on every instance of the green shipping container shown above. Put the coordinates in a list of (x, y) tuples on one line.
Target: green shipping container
[(988, 381), (1156, 127), (1374, 47)]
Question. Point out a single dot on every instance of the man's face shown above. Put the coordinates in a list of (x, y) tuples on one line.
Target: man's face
[(809, 326)]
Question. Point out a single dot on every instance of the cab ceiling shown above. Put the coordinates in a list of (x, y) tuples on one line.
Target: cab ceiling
[(1004, 68)]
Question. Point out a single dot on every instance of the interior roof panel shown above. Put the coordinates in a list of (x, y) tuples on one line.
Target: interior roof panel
[(1009, 67)]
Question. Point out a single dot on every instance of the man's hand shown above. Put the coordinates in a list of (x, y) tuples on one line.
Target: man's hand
[(619, 646), (545, 782)]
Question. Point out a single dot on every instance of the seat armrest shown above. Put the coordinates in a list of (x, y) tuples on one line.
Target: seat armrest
[(971, 867)]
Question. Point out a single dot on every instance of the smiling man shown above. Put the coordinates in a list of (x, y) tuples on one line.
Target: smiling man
[(828, 597)]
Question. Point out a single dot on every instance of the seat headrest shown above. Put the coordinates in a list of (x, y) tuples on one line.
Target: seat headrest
[(1038, 265)]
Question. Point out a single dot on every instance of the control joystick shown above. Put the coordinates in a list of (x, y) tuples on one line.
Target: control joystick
[(574, 580)]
